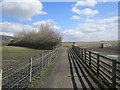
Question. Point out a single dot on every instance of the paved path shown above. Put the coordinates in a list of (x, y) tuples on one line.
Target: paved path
[(59, 77), (67, 74)]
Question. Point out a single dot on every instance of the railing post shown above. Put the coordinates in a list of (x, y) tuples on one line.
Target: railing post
[(53, 54), (98, 60), (82, 53), (78, 52), (30, 62), (49, 56), (42, 61), (85, 55), (114, 74), (1, 79), (90, 59)]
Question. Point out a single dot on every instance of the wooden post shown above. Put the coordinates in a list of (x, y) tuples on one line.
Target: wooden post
[(49, 55), (53, 54), (102, 45), (114, 74), (49, 52), (85, 55), (90, 59), (42, 61), (1, 79), (79, 52), (30, 69), (82, 53), (98, 60)]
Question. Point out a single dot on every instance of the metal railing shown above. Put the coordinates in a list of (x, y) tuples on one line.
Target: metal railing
[(106, 70), (21, 76)]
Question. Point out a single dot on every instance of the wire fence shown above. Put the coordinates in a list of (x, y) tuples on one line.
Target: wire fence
[(21, 76)]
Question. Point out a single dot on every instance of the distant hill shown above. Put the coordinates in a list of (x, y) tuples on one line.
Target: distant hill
[(4, 40), (5, 37)]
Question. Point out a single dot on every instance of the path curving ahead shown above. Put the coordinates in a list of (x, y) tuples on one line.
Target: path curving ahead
[(67, 73)]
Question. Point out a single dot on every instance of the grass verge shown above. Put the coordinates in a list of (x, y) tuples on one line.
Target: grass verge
[(43, 72)]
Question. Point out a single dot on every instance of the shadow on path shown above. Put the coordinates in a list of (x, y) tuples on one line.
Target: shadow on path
[(84, 78), (72, 74)]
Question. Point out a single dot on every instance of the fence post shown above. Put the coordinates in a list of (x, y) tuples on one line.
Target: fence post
[(82, 53), (49, 56), (53, 53), (42, 61), (1, 79), (79, 52), (90, 59), (85, 55), (30, 69), (114, 74), (98, 60)]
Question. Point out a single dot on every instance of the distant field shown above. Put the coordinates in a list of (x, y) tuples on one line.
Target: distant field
[(98, 43), (13, 56), (15, 53), (110, 47), (91, 44)]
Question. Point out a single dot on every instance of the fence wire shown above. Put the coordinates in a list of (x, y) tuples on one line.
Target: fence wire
[(20, 76)]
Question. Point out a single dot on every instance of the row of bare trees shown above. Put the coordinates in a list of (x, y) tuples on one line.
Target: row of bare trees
[(42, 39)]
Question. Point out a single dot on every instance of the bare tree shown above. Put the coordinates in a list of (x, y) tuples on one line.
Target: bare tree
[(45, 38)]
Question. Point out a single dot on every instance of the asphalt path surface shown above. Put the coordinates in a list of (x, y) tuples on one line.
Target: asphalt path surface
[(67, 73)]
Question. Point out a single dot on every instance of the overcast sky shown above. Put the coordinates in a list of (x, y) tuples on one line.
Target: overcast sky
[(83, 20)]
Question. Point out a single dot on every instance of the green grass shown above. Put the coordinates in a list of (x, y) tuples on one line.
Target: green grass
[(41, 74), (44, 72), (18, 53)]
